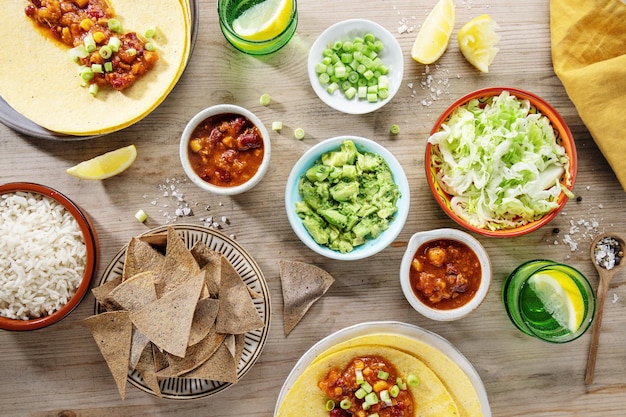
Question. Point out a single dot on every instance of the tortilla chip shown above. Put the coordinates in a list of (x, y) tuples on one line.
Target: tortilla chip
[(179, 265), (160, 358), (211, 262), (135, 292), (237, 313), (112, 332), (303, 284), (167, 321), (147, 369), (138, 344), (195, 356), (240, 346), (203, 319), (221, 366), (102, 294), (141, 257), (157, 240)]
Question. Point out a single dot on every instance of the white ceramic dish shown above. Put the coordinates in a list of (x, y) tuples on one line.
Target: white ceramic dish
[(372, 246), (196, 121), (445, 315), (249, 271), (394, 328), (348, 30)]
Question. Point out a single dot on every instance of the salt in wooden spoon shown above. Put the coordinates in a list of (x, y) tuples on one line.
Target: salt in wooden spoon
[(605, 273)]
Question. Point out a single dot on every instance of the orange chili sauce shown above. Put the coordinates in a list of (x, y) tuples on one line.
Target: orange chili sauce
[(445, 274)]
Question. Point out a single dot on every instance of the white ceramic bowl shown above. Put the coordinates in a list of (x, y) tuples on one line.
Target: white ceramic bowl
[(372, 246), (197, 120), (348, 30), (453, 234)]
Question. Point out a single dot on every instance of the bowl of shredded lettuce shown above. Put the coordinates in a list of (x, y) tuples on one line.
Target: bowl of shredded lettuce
[(501, 162), (347, 198)]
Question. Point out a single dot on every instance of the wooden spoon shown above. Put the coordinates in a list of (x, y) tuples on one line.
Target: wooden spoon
[(603, 285)]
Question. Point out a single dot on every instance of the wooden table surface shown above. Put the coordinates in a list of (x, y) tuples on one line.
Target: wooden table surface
[(59, 368)]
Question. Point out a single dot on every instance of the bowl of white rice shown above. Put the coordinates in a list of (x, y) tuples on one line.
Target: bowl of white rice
[(48, 256)]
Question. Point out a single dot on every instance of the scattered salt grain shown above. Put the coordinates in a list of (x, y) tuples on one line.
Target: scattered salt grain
[(608, 253)]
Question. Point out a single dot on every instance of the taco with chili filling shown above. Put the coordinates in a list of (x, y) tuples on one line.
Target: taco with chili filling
[(366, 380), (42, 80)]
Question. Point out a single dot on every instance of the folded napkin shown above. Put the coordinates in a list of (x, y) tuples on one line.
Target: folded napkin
[(588, 39)]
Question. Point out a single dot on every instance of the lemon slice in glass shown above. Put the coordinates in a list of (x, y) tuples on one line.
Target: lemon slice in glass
[(477, 41), (264, 21), (560, 297), (105, 165), (434, 35)]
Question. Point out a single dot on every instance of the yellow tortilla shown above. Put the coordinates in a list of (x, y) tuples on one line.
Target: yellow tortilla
[(430, 396), (453, 377), (40, 81)]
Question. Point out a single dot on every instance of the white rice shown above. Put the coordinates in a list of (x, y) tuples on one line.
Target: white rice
[(42, 255)]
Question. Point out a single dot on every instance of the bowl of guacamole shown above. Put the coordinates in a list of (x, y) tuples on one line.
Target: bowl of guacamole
[(347, 198)]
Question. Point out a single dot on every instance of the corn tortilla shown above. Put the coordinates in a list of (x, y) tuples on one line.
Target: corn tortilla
[(430, 396), (39, 80)]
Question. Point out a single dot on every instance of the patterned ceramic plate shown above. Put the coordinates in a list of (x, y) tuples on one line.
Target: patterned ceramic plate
[(182, 388)]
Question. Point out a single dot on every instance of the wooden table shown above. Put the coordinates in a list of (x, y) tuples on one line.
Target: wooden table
[(60, 368)]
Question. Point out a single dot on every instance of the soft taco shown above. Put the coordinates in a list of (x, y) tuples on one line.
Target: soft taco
[(449, 373), (42, 82), (365, 380)]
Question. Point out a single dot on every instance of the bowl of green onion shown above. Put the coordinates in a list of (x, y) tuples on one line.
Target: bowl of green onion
[(501, 162), (356, 66)]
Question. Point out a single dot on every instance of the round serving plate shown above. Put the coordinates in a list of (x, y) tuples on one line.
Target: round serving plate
[(16, 121), (392, 328), (250, 273)]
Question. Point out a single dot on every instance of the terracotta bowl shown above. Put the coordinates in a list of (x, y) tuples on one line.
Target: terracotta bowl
[(91, 263), (563, 136)]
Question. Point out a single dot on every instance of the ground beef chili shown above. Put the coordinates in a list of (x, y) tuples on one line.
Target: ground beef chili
[(340, 385), (445, 273), (70, 21), (226, 150)]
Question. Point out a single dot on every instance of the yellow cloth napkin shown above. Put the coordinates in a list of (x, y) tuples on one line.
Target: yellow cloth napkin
[(588, 39)]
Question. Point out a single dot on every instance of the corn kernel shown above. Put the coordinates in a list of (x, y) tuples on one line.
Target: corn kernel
[(99, 37), (380, 385), (359, 364), (86, 24)]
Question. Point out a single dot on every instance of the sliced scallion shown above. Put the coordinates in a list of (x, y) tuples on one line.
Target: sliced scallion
[(345, 404), (265, 99), (114, 43), (141, 216), (412, 380), (149, 46), (330, 405), (115, 25), (371, 398), (360, 393), (394, 129), (105, 52), (150, 32), (277, 126), (97, 68), (89, 42), (299, 133), (93, 89), (383, 375), (394, 391), (77, 53), (108, 66)]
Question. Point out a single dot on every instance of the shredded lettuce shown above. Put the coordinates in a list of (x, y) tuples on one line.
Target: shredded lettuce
[(501, 163)]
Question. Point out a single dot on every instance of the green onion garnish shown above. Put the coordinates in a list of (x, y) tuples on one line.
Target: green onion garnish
[(93, 89), (108, 66), (97, 68), (77, 53), (277, 126), (360, 393), (330, 405), (131, 51), (149, 46), (115, 25), (150, 32), (394, 391), (90, 43), (85, 73), (105, 52), (141, 216), (367, 387), (299, 133), (394, 129), (371, 398), (383, 375), (400, 383), (265, 99), (412, 380), (345, 404), (114, 43), (358, 376)]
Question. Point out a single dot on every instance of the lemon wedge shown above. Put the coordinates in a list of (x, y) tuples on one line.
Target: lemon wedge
[(477, 41), (560, 297), (264, 20), (105, 165), (434, 35)]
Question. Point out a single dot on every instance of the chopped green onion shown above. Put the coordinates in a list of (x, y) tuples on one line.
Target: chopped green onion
[(350, 93), (394, 391), (93, 89), (400, 383), (85, 73), (383, 375), (106, 52), (345, 404), (394, 129), (131, 51), (115, 25), (330, 405), (332, 88), (367, 387), (150, 32), (299, 133), (149, 46), (277, 126), (412, 380), (358, 376), (265, 100), (97, 68), (141, 216), (324, 78), (369, 37), (385, 397), (320, 68), (360, 393), (77, 53), (373, 415), (383, 93), (90, 43), (108, 66), (371, 398), (114, 43)]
